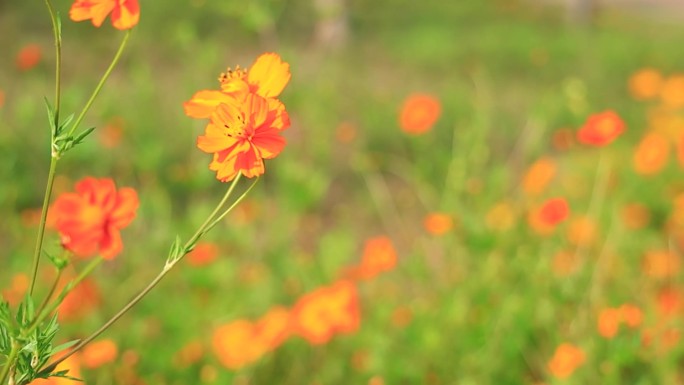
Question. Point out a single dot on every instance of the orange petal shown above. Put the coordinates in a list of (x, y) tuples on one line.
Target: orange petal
[(126, 205), (126, 15), (111, 244), (203, 103), (269, 74)]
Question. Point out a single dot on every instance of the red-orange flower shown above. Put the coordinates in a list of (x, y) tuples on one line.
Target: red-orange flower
[(242, 135), (378, 255), (437, 223), (203, 254), (99, 353), (601, 129), (89, 220), (320, 314), (419, 113), (267, 77), (125, 14), (566, 360), (28, 57), (554, 211)]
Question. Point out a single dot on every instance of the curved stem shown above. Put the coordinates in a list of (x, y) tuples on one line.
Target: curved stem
[(14, 352), (58, 58), (43, 220), (208, 223), (104, 78)]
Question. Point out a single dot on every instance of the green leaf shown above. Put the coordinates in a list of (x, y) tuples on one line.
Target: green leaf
[(63, 346), (59, 262), (51, 118), (79, 138)]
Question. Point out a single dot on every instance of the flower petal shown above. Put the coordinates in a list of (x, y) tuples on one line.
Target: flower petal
[(126, 205), (269, 74), (126, 15), (203, 103)]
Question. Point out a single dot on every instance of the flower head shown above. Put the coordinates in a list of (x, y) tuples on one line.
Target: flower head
[(565, 360), (419, 113), (601, 129), (125, 14), (28, 57), (242, 135), (378, 256), (89, 219), (267, 78)]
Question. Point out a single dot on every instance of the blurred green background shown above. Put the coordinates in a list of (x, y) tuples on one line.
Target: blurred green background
[(484, 305)]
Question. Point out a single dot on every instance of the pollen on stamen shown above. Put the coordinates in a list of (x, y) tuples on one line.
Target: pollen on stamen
[(237, 73)]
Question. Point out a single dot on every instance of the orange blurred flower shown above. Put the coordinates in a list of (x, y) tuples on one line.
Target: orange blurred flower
[(242, 135), (538, 176), (267, 78), (203, 254), (125, 14), (670, 302), (645, 84), (242, 342), (110, 135), (635, 215), (14, 294), (554, 211), (661, 264), (81, 300), (672, 92), (601, 129), (2, 98), (317, 316), (582, 231), (189, 354), (89, 220), (438, 223), (609, 322), (419, 113), (378, 255), (563, 139), (680, 149), (566, 359), (631, 315), (28, 57), (651, 154), (72, 365), (99, 353)]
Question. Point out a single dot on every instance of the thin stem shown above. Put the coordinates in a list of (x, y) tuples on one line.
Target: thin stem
[(43, 220), (208, 223), (58, 58), (104, 78), (229, 209), (50, 293), (14, 352)]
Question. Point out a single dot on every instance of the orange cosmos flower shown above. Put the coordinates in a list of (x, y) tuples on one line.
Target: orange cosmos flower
[(635, 215), (89, 220), (438, 223), (267, 78), (582, 231), (631, 315), (320, 314), (609, 322), (203, 254), (554, 211), (125, 14), (651, 154), (2, 98), (645, 84), (273, 328), (672, 92), (81, 300), (28, 57), (566, 360), (538, 176), (234, 344), (601, 129), (378, 255), (419, 113), (680, 149), (661, 264), (99, 353), (242, 135)]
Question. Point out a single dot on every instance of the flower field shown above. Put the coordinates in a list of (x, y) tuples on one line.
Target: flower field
[(339, 192)]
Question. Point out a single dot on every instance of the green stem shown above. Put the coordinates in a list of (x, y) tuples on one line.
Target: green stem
[(208, 223), (58, 61), (50, 293), (43, 220), (55, 304), (229, 209), (14, 352), (104, 78)]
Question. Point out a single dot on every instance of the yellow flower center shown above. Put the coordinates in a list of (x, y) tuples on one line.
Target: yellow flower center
[(236, 128)]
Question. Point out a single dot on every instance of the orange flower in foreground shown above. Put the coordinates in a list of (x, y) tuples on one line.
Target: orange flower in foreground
[(242, 135), (645, 84), (125, 14), (438, 223), (378, 255), (601, 129), (538, 176), (566, 360), (89, 220), (419, 113), (651, 154), (267, 78), (317, 316), (203, 254), (28, 57), (99, 353)]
